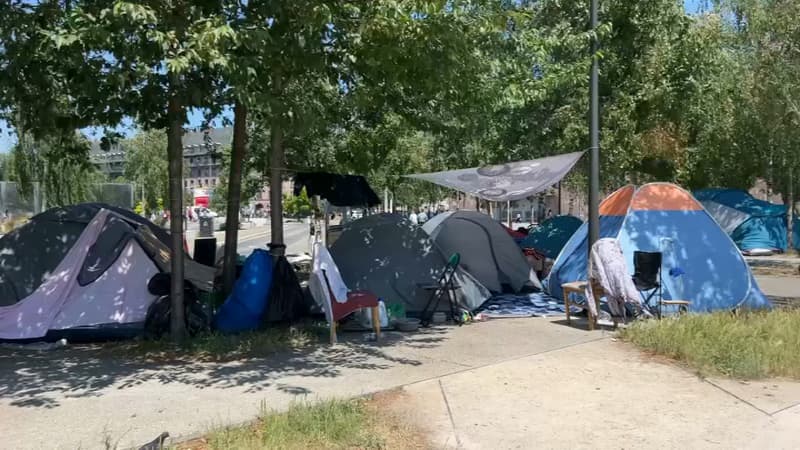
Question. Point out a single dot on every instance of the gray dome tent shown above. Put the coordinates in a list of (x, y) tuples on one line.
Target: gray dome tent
[(82, 270), (487, 251), (388, 255)]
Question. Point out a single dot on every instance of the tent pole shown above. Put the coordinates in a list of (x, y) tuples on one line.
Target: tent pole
[(508, 213), (594, 135)]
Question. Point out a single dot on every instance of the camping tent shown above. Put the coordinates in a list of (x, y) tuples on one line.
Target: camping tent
[(663, 217), (552, 235), (390, 256), (487, 251), (753, 224), (82, 271)]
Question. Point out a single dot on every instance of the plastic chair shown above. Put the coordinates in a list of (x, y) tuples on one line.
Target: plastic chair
[(355, 300)]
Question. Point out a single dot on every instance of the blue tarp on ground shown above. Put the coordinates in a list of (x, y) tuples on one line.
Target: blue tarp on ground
[(663, 217), (244, 308), (764, 226), (552, 235)]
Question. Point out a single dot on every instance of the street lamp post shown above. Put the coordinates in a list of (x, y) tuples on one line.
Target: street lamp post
[(594, 135)]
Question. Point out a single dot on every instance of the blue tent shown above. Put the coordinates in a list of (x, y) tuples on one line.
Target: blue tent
[(753, 224), (661, 217), (552, 235)]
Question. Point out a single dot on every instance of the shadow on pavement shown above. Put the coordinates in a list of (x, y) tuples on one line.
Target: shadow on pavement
[(42, 379)]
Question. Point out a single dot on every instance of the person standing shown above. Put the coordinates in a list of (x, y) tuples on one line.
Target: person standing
[(413, 217)]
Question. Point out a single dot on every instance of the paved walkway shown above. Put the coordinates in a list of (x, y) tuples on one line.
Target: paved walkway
[(601, 394), (786, 287), (512, 383)]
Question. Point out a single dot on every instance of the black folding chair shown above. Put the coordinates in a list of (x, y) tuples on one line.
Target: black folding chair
[(445, 287), (647, 278)]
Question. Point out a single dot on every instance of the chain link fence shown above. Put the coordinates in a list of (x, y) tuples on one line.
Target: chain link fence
[(13, 202)]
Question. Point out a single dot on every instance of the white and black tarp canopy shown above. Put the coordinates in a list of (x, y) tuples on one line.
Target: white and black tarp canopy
[(505, 182)]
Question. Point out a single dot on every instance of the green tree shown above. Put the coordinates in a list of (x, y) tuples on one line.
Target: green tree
[(154, 60), (61, 166), (146, 165), (298, 205)]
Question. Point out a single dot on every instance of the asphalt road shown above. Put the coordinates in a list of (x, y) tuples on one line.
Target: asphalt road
[(295, 236)]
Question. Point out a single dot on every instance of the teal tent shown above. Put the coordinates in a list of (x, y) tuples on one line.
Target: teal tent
[(552, 235), (753, 224)]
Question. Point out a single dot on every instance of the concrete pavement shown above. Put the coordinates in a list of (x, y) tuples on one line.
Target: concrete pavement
[(75, 397), (601, 394), (507, 383)]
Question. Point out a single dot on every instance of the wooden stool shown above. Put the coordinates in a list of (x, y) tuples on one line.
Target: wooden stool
[(579, 287), (683, 306)]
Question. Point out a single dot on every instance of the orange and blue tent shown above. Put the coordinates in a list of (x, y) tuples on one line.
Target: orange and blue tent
[(700, 261)]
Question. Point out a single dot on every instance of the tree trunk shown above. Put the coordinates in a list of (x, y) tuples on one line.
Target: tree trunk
[(176, 117), (790, 212), (238, 152), (277, 246)]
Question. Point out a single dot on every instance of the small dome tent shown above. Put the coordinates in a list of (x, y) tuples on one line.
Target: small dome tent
[(662, 217), (487, 251), (81, 272), (389, 256), (754, 225)]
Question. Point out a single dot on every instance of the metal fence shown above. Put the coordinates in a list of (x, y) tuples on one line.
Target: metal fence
[(12, 200)]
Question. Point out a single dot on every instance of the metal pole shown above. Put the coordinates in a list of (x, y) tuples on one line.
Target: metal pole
[(508, 213), (594, 135), (559, 198)]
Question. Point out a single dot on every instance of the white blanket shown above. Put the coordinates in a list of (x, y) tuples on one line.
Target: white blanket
[(607, 266), (316, 284)]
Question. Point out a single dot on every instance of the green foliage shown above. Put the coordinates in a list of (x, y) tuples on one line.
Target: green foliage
[(749, 345), (298, 205), (60, 164), (146, 164)]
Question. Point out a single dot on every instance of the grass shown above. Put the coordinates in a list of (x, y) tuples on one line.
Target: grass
[(748, 346), (218, 347), (333, 424)]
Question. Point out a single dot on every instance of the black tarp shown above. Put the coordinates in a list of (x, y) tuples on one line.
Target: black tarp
[(338, 190), (286, 299)]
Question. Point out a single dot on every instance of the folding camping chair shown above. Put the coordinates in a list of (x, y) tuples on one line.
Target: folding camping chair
[(445, 287), (647, 278)]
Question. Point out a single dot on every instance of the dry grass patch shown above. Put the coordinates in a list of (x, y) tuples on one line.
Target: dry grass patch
[(332, 424)]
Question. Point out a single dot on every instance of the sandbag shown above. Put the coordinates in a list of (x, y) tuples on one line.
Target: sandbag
[(245, 307)]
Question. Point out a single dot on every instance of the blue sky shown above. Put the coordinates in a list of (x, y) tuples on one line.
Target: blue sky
[(8, 139)]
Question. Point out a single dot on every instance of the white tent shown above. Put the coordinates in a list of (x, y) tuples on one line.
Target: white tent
[(82, 271)]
